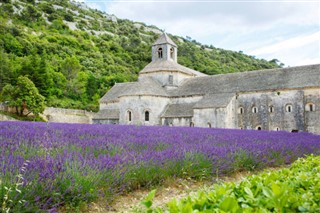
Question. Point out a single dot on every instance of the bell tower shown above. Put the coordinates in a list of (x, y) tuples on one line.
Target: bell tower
[(164, 49)]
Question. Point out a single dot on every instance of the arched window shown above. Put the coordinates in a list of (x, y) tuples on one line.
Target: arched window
[(258, 128), (240, 110), (129, 115), (146, 115), (289, 108), (209, 124), (160, 52), (277, 129), (254, 109), (271, 109), (191, 124), (310, 107), (171, 52)]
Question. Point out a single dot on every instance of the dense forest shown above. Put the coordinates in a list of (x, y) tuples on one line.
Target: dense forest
[(74, 54)]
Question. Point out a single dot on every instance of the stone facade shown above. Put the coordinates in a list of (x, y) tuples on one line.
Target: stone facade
[(168, 93)]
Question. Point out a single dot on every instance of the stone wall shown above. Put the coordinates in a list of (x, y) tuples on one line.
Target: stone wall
[(6, 118), (163, 77), (5, 108), (312, 116), (177, 121), (214, 117), (60, 115), (57, 115), (138, 105), (287, 110)]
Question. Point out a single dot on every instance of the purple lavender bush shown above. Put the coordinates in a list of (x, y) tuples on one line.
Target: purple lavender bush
[(47, 165)]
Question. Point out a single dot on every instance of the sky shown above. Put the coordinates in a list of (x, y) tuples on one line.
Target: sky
[(285, 30)]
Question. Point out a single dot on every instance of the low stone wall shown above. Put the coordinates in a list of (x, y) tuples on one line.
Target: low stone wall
[(58, 115), (5, 108), (61, 115), (6, 118)]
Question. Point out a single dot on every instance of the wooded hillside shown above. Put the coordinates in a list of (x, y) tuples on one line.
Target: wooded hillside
[(74, 54)]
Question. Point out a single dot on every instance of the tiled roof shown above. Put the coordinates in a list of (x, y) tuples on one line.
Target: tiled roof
[(107, 114), (167, 65), (164, 39), (225, 85), (252, 81), (147, 86), (214, 100), (178, 110)]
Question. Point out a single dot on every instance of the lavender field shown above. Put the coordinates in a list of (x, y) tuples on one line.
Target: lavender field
[(44, 166)]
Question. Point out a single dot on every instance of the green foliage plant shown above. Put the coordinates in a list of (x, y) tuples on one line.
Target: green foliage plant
[(10, 192), (293, 189), (24, 96)]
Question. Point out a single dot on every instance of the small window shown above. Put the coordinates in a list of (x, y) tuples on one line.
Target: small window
[(170, 79), (160, 52), (277, 129), (146, 115), (191, 124), (271, 109), (254, 109), (258, 128), (129, 114), (240, 110), (288, 108), (310, 107), (171, 52), (209, 124)]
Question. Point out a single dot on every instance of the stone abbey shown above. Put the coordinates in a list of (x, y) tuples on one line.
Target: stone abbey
[(168, 93)]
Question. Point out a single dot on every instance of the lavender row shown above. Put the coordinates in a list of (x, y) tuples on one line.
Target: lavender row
[(63, 164)]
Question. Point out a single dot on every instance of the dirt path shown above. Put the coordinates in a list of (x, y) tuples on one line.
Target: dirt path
[(179, 189), (175, 189)]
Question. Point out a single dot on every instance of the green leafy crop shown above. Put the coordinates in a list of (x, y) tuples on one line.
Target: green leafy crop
[(294, 189)]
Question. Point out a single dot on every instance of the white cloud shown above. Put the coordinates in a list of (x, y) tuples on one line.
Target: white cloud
[(295, 51), (291, 43), (257, 14), (255, 27)]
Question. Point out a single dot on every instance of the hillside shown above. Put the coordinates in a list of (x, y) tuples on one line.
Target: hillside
[(74, 54)]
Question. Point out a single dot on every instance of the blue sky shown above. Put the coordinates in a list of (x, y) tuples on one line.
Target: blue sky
[(286, 30)]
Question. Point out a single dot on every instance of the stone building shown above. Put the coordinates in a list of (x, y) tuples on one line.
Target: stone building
[(168, 93)]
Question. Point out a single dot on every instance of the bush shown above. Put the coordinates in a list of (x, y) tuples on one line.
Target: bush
[(295, 189), (68, 17)]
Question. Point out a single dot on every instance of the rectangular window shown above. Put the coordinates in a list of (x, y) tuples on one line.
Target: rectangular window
[(129, 115), (170, 79)]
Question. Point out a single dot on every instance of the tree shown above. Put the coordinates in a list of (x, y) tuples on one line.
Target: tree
[(24, 96), (6, 1), (6, 70), (68, 17), (70, 67)]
